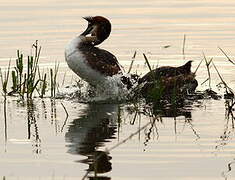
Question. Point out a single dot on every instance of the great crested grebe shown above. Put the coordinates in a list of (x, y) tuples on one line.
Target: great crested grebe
[(167, 72), (90, 63), (179, 80)]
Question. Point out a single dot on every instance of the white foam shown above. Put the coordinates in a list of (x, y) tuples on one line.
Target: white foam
[(111, 90)]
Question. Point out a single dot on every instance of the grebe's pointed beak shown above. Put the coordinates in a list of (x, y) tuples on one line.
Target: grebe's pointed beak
[(89, 27), (87, 31), (88, 18)]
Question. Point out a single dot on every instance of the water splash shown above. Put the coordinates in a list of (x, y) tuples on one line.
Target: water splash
[(110, 91)]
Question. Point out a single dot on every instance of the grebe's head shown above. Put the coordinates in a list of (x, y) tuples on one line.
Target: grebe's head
[(98, 27)]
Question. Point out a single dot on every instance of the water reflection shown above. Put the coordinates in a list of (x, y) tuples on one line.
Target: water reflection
[(33, 130), (88, 133), (5, 122), (228, 134), (181, 117)]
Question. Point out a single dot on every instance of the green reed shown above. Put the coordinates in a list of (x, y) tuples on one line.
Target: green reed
[(53, 77), (208, 63), (26, 78), (147, 62), (198, 66), (17, 78), (44, 86), (229, 59), (5, 79), (183, 48), (132, 62), (31, 74), (227, 88)]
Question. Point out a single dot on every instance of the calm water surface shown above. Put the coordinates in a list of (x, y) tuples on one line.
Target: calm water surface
[(40, 142)]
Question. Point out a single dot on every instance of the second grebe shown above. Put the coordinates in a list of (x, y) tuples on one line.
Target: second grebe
[(167, 72)]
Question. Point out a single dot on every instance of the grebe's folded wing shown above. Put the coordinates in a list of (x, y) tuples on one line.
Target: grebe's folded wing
[(101, 60)]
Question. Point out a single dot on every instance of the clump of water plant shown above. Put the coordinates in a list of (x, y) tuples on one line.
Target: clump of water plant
[(26, 78)]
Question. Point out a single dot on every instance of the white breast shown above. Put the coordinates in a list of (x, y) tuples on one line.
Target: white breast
[(77, 62)]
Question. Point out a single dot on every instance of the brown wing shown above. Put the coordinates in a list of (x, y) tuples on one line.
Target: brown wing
[(101, 60)]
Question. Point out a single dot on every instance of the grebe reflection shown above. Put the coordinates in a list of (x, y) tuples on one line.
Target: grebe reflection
[(88, 134)]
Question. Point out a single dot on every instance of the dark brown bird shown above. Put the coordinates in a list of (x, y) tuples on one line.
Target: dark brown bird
[(166, 72), (167, 81)]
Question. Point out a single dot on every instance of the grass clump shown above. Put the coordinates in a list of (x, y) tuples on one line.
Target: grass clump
[(26, 78)]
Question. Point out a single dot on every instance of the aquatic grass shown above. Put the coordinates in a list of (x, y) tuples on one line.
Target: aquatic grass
[(229, 91), (29, 83), (26, 77), (52, 87), (183, 48), (147, 62), (208, 63), (198, 66), (229, 59), (19, 72), (31, 75), (5, 79), (14, 81), (62, 84), (132, 62), (53, 77), (44, 85)]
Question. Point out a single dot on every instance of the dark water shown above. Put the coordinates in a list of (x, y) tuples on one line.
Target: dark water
[(39, 141)]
